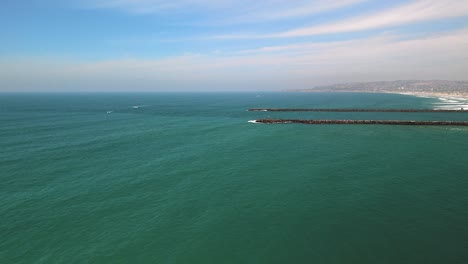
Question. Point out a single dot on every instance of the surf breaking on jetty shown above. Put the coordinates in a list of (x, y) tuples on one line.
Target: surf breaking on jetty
[(362, 122), (461, 110)]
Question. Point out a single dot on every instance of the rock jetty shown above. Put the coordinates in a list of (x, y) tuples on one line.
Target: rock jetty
[(363, 122), (461, 110)]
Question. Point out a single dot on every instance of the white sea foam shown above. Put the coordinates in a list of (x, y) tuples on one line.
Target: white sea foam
[(448, 100), (458, 98), (460, 105), (452, 107), (138, 106), (449, 103)]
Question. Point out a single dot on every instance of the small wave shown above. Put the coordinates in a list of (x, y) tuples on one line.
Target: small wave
[(451, 103), (458, 98), (109, 112), (448, 103), (447, 100), (452, 107), (138, 106)]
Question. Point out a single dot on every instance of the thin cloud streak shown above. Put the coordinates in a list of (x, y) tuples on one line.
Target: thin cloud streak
[(158, 6), (292, 11), (417, 11), (383, 57), (240, 11)]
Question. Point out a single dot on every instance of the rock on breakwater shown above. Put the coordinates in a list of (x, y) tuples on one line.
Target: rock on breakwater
[(461, 110), (363, 122)]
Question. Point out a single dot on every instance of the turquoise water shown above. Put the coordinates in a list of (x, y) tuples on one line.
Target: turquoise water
[(184, 178)]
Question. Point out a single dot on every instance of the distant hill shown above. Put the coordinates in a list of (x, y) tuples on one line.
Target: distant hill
[(402, 86)]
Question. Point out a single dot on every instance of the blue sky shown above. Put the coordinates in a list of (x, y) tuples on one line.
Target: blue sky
[(155, 45)]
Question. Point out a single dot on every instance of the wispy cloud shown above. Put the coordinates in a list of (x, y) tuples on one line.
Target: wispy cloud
[(271, 10), (157, 6), (234, 11), (388, 56), (152, 51), (416, 11)]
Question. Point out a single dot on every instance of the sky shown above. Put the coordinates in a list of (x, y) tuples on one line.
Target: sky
[(227, 45)]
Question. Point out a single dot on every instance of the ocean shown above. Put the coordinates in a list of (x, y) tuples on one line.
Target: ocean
[(185, 178)]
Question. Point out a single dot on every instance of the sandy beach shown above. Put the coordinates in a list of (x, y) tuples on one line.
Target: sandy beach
[(447, 101)]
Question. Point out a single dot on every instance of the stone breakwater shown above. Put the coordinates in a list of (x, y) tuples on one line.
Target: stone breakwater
[(462, 110), (363, 122)]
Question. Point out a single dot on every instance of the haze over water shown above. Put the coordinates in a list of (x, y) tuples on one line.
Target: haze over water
[(184, 178)]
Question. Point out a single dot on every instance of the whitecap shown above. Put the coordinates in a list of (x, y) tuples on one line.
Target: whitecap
[(457, 103), (139, 106), (458, 98), (452, 107), (448, 100)]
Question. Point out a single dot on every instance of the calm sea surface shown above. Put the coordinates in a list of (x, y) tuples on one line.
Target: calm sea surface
[(184, 178)]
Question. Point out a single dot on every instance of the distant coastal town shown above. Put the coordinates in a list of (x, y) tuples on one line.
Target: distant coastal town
[(410, 87)]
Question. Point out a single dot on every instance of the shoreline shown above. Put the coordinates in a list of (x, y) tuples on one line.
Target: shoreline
[(463, 96), (455, 95), (447, 101)]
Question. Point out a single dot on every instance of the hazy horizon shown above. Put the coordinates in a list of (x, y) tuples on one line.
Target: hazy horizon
[(203, 45)]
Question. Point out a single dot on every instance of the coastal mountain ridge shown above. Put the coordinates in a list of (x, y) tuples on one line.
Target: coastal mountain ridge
[(399, 86)]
